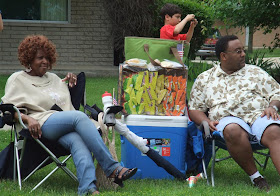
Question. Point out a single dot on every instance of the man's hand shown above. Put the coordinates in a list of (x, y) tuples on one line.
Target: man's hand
[(71, 78), (198, 117), (271, 112), (212, 125)]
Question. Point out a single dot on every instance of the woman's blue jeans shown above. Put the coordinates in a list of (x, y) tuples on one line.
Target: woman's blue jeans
[(77, 133)]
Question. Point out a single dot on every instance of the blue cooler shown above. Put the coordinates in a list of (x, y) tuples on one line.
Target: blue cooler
[(166, 134)]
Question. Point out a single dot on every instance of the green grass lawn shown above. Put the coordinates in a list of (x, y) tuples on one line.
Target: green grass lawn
[(230, 179)]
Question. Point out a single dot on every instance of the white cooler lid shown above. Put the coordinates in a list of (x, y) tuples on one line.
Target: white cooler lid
[(155, 121)]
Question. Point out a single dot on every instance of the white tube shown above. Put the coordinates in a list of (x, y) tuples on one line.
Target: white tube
[(135, 140)]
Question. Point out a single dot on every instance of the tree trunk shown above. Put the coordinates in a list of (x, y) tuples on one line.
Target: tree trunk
[(250, 43)]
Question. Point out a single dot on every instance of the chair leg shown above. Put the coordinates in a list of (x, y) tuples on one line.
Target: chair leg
[(16, 162), (66, 170), (63, 167), (266, 160), (222, 159), (267, 155), (256, 160), (38, 167), (57, 161), (59, 164), (213, 162), (204, 171)]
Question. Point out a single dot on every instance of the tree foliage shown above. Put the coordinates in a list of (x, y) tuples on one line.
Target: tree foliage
[(255, 14), (129, 18), (141, 18), (203, 15)]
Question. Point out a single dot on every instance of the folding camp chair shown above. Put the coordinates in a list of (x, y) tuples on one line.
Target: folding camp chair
[(21, 141), (49, 152), (219, 143), (198, 152)]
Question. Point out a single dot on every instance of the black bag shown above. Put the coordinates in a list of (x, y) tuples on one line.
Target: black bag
[(7, 162)]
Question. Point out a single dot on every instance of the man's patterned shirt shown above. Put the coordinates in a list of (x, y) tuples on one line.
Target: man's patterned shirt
[(244, 94)]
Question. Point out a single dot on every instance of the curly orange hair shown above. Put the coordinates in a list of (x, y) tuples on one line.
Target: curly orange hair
[(29, 47)]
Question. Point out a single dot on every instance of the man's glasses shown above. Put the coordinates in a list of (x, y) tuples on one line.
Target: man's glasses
[(237, 51)]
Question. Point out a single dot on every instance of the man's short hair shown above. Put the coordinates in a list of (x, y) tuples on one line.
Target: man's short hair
[(169, 9), (222, 44)]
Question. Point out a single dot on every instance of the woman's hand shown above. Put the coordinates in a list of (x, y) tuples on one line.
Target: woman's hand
[(71, 78), (34, 127)]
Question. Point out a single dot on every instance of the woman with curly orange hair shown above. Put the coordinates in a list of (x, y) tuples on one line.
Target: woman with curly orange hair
[(36, 91), (30, 45)]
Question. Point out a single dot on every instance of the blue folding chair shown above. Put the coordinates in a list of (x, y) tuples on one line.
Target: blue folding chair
[(219, 143)]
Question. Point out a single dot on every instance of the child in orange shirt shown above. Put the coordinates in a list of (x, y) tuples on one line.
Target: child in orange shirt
[(173, 24)]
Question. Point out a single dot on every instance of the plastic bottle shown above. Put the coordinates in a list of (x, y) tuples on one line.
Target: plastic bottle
[(192, 180), (107, 100)]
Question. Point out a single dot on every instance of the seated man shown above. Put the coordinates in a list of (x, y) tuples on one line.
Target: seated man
[(242, 102)]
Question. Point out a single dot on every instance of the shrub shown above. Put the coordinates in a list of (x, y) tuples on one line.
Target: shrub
[(271, 67), (202, 14), (142, 18), (194, 69)]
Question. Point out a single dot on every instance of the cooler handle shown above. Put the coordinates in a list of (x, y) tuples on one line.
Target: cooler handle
[(157, 119)]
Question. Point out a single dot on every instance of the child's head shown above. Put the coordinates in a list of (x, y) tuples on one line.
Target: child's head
[(170, 10)]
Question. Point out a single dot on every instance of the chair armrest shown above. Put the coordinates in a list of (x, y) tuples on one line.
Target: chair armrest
[(204, 127), (19, 118), (7, 114)]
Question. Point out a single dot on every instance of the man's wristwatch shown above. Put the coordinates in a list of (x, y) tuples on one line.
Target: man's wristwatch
[(275, 107)]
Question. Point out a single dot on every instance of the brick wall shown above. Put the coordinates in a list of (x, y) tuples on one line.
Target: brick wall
[(82, 45), (258, 39)]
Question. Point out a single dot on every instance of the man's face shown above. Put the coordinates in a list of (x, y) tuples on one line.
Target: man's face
[(233, 59), (174, 20)]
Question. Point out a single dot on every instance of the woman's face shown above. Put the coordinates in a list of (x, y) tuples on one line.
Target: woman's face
[(40, 64)]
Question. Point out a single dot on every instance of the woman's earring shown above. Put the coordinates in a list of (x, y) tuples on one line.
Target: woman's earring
[(29, 69)]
